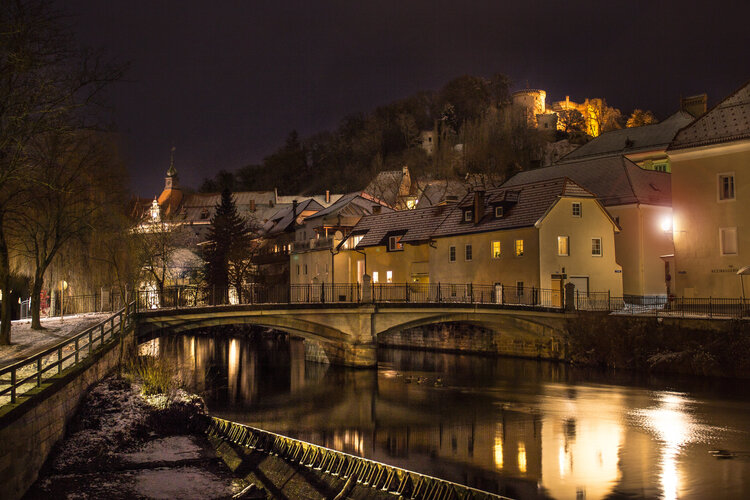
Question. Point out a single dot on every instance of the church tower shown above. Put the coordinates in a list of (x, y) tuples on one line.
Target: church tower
[(169, 199)]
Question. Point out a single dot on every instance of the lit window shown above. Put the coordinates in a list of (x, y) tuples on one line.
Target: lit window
[(498, 212), (726, 186), (389, 276), (728, 240), (495, 249), (596, 247), (576, 209), (467, 252), (352, 242), (519, 288), (374, 276), (468, 214), (394, 243), (452, 254), (562, 245), (519, 248)]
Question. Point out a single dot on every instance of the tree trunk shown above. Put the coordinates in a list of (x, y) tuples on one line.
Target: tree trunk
[(36, 302), (5, 311)]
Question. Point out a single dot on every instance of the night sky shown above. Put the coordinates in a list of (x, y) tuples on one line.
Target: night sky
[(225, 81)]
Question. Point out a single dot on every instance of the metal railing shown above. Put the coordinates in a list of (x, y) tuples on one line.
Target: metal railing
[(74, 304), (22, 376), (328, 293), (369, 473), (663, 306)]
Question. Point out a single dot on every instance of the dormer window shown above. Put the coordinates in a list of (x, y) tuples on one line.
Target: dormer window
[(394, 243), (204, 213), (499, 212), (468, 214)]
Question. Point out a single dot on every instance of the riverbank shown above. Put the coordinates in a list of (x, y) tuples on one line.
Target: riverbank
[(719, 349), (122, 444)]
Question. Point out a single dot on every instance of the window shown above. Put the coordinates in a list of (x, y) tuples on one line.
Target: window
[(305, 268), (519, 248), (467, 253), (389, 276), (495, 249), (352, 242), (519, 288), (576, 209), (468, 214), (452, 254), (726, 187), (394, 244), (562, 245), (297, 269), (498, 212), (596, 247), (728, 240), (374, 276)]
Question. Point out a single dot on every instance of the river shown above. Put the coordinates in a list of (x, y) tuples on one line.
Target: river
[(525, 429)]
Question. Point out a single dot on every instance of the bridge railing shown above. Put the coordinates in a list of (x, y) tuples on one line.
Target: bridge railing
[(341, 293), (23, 376), (369, 473), (663, 306)]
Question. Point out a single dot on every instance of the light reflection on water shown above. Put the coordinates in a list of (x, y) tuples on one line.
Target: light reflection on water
[(522, 428)]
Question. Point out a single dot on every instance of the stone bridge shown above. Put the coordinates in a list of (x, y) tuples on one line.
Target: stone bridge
[(349, 332)]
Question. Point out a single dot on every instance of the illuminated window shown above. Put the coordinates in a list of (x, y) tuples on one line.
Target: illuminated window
[(728, 240), (596, 247), (374, 276), (394, 243), (495, 249), (389, 276), (562, 245), (467, 253), (576, 209), (468, 214), (452, 254), (519, 248), (726, 186), (498, 212), (352, 242)]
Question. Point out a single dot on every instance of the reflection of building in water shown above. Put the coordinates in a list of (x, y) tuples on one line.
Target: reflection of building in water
[(581, 438)]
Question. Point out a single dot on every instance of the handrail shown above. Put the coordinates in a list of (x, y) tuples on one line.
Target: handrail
[(376, 475), (34, 368)]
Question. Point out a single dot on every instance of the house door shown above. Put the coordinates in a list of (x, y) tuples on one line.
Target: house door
[(556, 293)]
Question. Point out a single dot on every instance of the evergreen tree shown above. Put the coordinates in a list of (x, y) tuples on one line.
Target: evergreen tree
[(227, 248)]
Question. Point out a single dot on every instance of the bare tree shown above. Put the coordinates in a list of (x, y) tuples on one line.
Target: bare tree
[(46, 83)]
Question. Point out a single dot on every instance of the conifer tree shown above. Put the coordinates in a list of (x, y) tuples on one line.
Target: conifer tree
[(228, 247)]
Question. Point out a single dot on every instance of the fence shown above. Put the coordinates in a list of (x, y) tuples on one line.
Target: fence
[(376, 475), (31, 372), (105, 301), (416, 293), (663, 306)]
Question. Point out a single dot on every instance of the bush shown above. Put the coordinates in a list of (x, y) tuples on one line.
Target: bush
[(156, 375)]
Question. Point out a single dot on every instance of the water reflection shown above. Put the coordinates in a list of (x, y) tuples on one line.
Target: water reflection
[(520, 428)]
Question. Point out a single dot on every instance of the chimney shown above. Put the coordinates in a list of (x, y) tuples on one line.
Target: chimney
[(328, 196), (252, 205), (478, 204), (695, 105), (376, 209)]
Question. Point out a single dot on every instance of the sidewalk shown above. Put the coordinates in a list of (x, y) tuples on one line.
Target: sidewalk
[(26, 342)]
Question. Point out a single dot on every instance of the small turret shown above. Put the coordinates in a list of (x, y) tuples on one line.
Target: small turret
[(169, 199), (171, 180)]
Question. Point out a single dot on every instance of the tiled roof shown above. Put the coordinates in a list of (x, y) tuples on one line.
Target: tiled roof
[(632, 140), (727, 121), (283, 218), (615, 180), (357, 204), (415, 225), (435, 192), (199, 207), (534, 199)]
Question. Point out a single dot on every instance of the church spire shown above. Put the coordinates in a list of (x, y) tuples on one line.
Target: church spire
[(172, 172)]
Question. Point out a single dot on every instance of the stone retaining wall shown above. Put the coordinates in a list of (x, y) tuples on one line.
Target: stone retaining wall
[(466, 338), (30, 428)]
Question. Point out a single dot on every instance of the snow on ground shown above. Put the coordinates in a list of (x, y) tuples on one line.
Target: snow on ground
[(26, 342), (168, 449), (184, 482)]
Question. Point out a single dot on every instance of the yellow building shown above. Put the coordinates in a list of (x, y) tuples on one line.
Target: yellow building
[(711, 200), (640, 202), (539, 235)]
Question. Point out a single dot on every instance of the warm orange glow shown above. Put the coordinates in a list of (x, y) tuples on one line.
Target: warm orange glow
[(522, 458)]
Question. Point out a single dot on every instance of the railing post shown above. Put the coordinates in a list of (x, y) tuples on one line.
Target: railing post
[(13, 385), (406, 292), (710, 309), (76, 346), (59, 359), (439, 298), (39, 372)]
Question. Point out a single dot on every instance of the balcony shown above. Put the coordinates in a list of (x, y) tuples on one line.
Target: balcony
[(311, 245)]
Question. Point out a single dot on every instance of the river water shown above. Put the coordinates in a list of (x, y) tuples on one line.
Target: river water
[(526, 429)]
